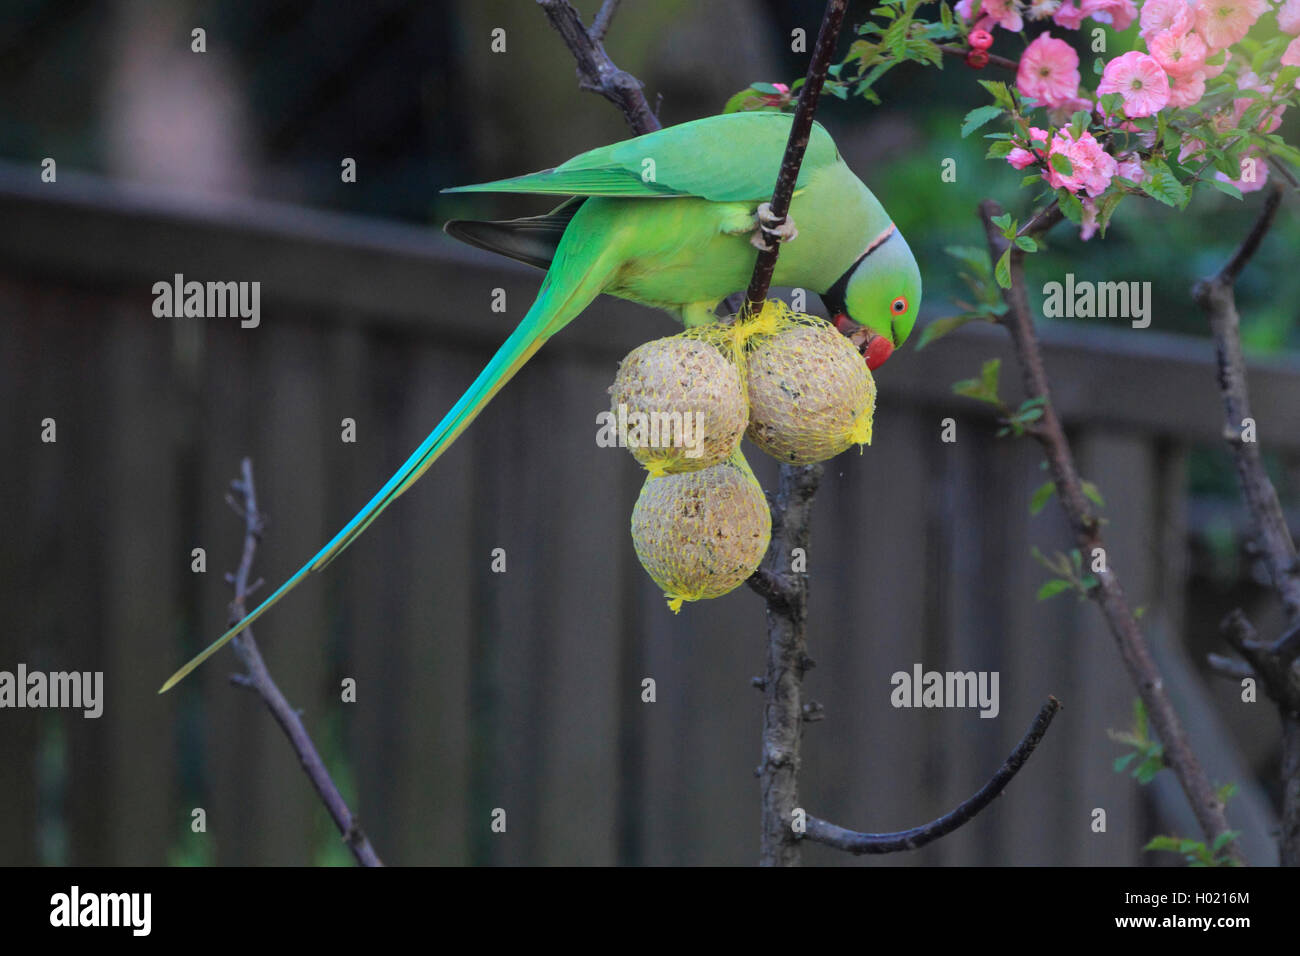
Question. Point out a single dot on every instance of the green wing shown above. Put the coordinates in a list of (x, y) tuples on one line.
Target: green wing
[(687, 160)]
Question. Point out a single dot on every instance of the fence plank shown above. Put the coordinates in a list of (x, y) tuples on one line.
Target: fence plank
[(429, 758), (142, 532)]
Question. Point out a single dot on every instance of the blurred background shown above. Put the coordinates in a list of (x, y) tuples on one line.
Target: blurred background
[(522, 690)]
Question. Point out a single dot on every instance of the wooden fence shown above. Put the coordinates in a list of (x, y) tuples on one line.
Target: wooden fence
[(522, 690)]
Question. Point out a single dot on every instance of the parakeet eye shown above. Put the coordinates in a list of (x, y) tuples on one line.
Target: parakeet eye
[(899, 305)]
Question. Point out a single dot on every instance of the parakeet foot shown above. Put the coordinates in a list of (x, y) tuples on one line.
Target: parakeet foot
[(770, 228)]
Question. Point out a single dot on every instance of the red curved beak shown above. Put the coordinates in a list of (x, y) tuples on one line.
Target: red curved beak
[(874, 348)]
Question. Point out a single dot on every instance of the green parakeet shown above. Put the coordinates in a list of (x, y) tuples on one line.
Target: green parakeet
[(666, 220)]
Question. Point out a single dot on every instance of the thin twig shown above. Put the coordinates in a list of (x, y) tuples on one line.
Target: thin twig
[(596, 71), (258, 678), (800, 130), (1281, 682), (1108, 593), (851, 841), (1230, 667), (604, 16)]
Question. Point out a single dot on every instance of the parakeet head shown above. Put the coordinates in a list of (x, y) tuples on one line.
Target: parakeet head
[(875, 301)]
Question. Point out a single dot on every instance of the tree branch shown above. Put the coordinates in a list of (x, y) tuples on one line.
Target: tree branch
[(604, 16), (787, 660), (596, 71), (1108, 593), (257, 678), (1216, 299), (800, 129), (786, 595), (1273, 663), (851, 841)]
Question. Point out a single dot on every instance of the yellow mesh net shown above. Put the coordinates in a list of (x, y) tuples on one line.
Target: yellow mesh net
[(701, 534), (798, 388), (811, 395), (683, 400)]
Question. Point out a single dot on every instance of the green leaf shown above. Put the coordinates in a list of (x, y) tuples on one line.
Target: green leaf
[(941, 327), (742, 101), (978, 117), (1093, 494), (1111, 104), (1027, 243), (1106, 207), (1002, 271), (1061, 163), (1099, 66), (945, 15), (1283, 150), (1124, 761), (1053, 587), (1070, 205), (999, 149), (765, 88), (1223, 839), (1163, 843), (1147, 770), (1042, 495), (1161, 184), (1001, 95), (984, 388)]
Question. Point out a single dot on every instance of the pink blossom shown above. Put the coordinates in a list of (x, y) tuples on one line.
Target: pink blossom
[(1068, 15), (1291, 56), (1178, 55), (1049, 71), (1288, 18), (1118, 13), (1223, 22), (1092, 167), (1130, 167), (1212, 70), (1190, 149), (1004, 13), (1019, 157), (1186, 90), (1270, 120), (1138, 78), (1088, 226), (1042, 9), (1252, 165), (1166, 16), (964, 10)]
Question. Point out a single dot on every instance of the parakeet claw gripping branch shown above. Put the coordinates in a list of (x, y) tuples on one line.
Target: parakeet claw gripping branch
[(666, 220)]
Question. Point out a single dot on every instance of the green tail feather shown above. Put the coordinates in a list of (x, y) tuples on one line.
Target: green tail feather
[(545, 318)]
